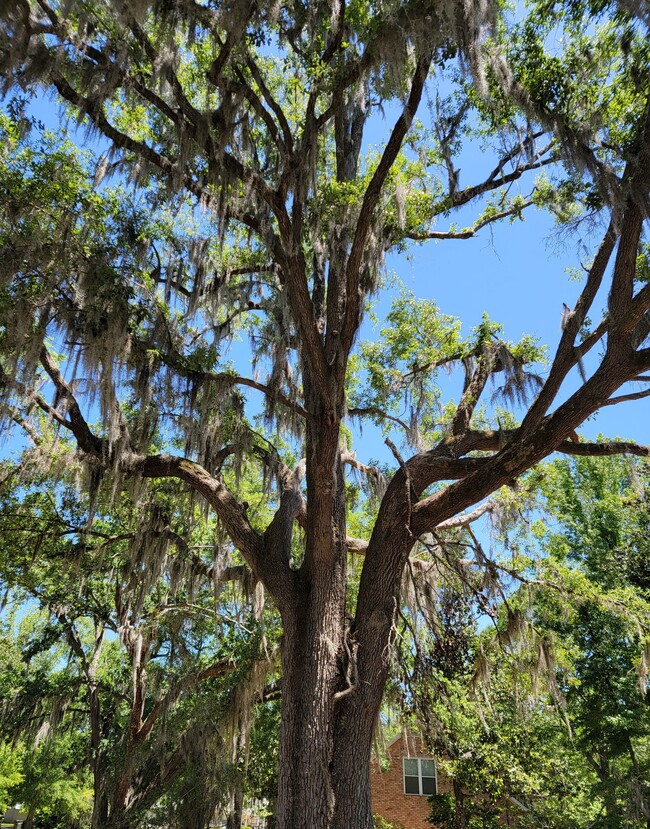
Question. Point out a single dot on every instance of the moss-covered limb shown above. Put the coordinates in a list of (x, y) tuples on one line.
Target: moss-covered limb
[(349, 325), (75, 422), (229, 510), (220, 380)]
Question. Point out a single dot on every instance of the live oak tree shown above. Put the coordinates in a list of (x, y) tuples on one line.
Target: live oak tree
[(244, 130)]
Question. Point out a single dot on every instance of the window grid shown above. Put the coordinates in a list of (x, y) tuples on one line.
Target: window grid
[(419, 761)]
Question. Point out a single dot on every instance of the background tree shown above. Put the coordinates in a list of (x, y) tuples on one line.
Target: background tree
[(244, 128), (45, 772), (601, 512), (128, 672), (545, 713)]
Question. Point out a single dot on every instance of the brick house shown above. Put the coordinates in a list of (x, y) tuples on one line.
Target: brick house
[(400, 793)]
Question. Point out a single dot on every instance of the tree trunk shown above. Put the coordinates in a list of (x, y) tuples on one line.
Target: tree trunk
[(355, 721), (239, 760), (310, 678), (459, 805), (31, 814), (100, 810), (327, 720), (235, 815), (372, 632), (324, 780), (315, 647), (334, 669), (100, 803)]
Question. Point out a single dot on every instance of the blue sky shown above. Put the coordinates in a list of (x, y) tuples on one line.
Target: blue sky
[(516, 272), (520, 273), (519, 277)]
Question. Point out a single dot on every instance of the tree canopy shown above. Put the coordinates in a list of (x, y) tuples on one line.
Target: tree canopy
[(228, 187)]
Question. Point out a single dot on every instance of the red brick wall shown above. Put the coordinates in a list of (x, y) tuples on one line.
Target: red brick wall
[(387, 787)]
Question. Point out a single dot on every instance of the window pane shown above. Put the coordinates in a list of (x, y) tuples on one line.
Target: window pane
[(428, 768), (428, 785), (411, 785), (411, 767)]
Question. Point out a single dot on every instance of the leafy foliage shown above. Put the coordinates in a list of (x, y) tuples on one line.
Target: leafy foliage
[(124, 658), (227, 189)]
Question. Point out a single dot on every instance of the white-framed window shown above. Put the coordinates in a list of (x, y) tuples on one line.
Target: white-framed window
[(419, 776)]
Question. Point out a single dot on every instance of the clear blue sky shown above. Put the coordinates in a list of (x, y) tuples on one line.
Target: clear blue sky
[(514, 272)]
